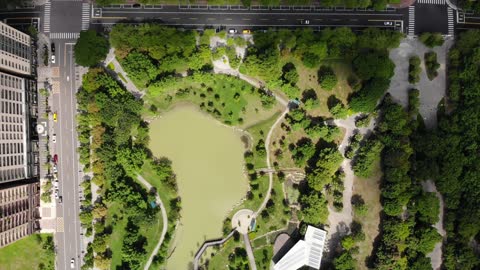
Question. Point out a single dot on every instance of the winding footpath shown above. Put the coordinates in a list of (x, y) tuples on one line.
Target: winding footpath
[(165, 221), (269, 166)]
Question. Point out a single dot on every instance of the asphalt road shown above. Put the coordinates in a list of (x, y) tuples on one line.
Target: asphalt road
[(64, 103), (255, 19)]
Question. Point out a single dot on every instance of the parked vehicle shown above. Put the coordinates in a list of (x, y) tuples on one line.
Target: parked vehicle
[(55, 116), (60, 199), (56, 194), (52, 48), (55, 159), (55, 168), (54, 139), (246, 31), (388, 23), (53, 59), (305, 22), (232, 31)]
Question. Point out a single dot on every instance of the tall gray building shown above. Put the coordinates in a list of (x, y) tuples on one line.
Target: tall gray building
[(15, 50), (18, 139), (19, 161)]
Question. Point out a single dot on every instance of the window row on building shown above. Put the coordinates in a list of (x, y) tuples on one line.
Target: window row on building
[(11, 95), (11, 81), (11, 119), (7, 237), (8, 31), (12, 194), (11, 136), (16, 64), (11, 148), (11, 108)]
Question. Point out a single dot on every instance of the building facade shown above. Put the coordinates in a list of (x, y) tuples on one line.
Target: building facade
[(15, 50), (19, 159), (18, 139), (19, 204)]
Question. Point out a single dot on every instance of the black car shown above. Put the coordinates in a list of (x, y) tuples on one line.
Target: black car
[(52, 47)]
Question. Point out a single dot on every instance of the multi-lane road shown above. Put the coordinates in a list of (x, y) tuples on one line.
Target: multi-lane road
[(68, 239), (62, 21)]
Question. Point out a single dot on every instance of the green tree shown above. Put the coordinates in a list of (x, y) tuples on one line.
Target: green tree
[(314, 209), (90, 49), (431, 39), (428, 207), (374, 64), (367, 157), (327, 78)]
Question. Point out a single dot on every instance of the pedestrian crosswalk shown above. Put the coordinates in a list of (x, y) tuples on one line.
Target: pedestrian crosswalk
[(432, 2), (46, 17), (60, 224), (64, 35), (85, 15), (411, 20), (451, 29)]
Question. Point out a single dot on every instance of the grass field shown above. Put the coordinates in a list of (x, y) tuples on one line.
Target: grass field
[(26, 254), (229, 99), (220, 258), (150, 231), (370, 192), (263, 256)]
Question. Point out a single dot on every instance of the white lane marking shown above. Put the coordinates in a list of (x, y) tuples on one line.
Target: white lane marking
[(61, 172), (256, 13), (75, 163)]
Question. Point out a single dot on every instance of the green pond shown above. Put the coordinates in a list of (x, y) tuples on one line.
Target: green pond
[(208, 161)]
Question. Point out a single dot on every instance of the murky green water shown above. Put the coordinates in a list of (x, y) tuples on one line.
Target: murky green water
[(207, 158)]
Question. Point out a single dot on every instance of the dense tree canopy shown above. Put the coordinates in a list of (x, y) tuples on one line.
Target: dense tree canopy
[(91, 48)]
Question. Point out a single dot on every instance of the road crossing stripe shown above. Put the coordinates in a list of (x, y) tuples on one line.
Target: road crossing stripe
[(85, 16), (432, 2), (64, 35), (411, 20), (451, 25), (46, 17)]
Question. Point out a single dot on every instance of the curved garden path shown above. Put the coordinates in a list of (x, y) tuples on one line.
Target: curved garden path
[(165, 221), (269, 166)]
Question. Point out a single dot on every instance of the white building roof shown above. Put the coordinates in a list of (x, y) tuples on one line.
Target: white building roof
[(306, 252)]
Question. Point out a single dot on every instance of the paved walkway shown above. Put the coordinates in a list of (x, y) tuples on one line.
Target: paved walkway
[(129, 85), (208, 244), (436, 254), (251, 258), (339, 221), (164, 217)]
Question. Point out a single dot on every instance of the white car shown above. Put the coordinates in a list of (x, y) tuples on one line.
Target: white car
[(56, 194), (232, 31), (388, 23), (55, 170), (53, 59), (54, 138), (72, 263), (305, 22)]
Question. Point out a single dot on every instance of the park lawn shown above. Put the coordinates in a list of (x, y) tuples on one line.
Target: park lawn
[(258, 196), (151, 231), (369, 189), (260, 131), (26, 254), (308, 79), (220, 258), (280, 213), (263, 256), (118, 232), (229, 99), (165, 194)]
